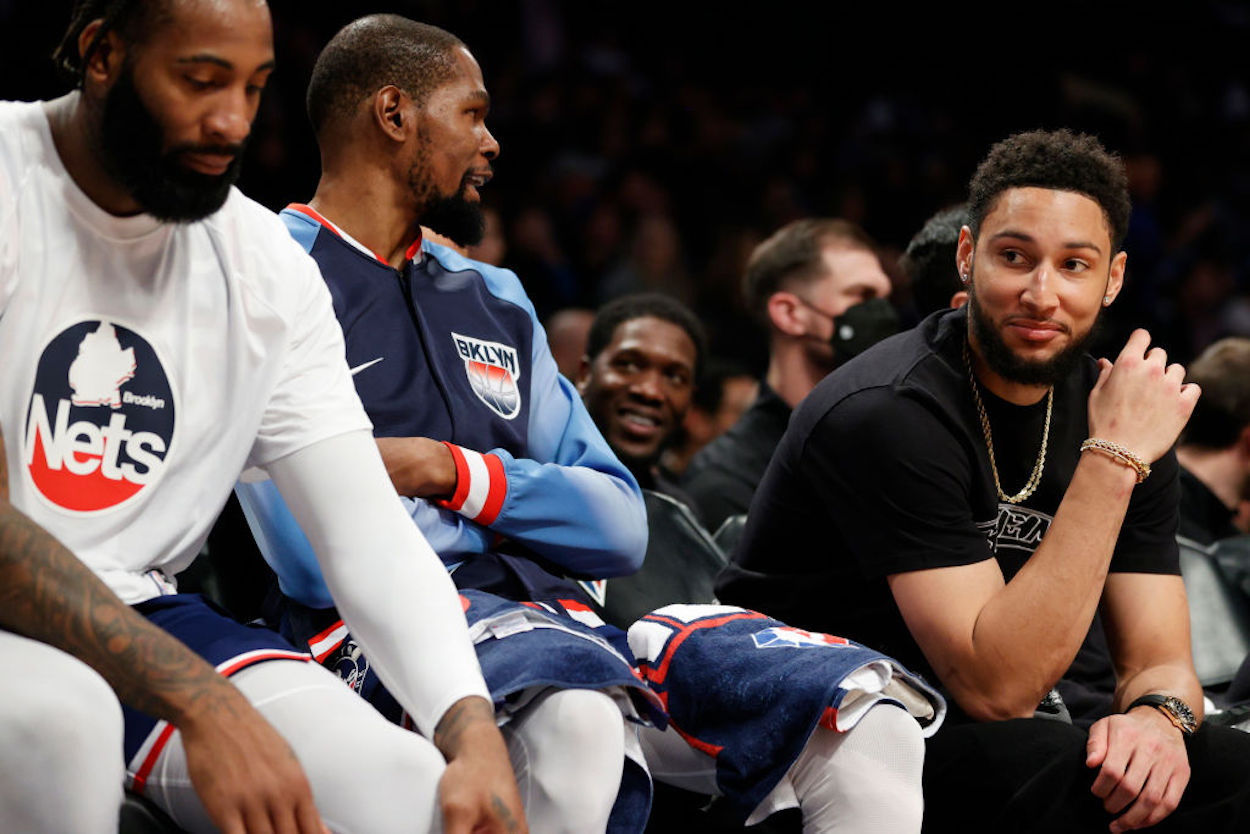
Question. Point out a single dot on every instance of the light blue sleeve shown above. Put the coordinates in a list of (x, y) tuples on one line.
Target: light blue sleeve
[(571, 500), (291, 557)]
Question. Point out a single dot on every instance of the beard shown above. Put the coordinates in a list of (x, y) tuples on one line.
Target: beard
[(1004, 361), (456, 217), (130, 144), (452, 216)]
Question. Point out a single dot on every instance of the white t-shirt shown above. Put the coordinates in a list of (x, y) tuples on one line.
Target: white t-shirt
[(144, 364)]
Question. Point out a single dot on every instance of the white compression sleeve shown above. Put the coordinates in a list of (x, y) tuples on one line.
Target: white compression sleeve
[(392, 590), (60, 743)]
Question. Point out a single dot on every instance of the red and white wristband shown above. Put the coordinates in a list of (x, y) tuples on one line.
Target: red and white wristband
[(481, 485)]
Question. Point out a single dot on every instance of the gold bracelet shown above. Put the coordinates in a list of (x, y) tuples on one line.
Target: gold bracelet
[(1119, 453)]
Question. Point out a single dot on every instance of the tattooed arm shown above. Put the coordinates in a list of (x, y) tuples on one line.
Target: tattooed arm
[(243, 771), (477, 791)]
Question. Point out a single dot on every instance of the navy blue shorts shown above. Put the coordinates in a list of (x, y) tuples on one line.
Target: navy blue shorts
[(224, 643)]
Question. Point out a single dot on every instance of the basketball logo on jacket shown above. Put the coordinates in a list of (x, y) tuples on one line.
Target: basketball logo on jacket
[(494, 373)]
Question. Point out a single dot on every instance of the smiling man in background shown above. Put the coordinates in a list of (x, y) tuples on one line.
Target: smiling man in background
[(643, 358)]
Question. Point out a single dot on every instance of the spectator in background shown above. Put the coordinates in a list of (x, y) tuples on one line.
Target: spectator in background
[(654, 263), (536, 253), (723, 393), (494, 246), (643, 355), (566, 336), (929, 262), (798, 281), (1214, 449)]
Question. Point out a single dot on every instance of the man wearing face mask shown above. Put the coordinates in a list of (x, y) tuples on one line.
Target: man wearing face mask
[(809, 283)]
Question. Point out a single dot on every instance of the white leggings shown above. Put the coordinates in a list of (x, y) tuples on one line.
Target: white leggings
[(568, 752), (61, 767), (60, 743), (367, 774), (866, 779)]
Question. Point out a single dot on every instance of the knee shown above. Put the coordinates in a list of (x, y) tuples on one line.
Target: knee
[(896, 738), (370, 775), (78, 722), (372, 754), (581, 719), (871, 773), (568, 750), (366, 773)]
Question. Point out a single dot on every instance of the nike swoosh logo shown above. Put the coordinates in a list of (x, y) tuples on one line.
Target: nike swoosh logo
[(360, 368)]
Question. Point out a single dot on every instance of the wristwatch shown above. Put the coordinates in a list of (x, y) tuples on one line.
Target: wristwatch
[(1177, 711)]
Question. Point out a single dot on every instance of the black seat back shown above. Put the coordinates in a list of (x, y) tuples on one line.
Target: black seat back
[(1219, 615), (231, 571), (729, 532), (681, 564)]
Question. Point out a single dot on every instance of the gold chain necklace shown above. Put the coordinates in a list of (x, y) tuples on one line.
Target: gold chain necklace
[(1034, 479)]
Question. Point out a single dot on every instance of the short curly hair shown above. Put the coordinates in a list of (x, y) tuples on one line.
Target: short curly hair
[(1056, 159), (641, 305), (929, 260), (372, 52)]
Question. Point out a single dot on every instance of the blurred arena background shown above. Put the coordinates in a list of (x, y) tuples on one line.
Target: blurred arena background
[(653, 144)]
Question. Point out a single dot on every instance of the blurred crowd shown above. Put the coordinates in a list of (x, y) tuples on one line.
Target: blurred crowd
[(651, 146)]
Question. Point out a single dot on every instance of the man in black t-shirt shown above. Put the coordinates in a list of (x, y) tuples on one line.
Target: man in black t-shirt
[(1215, 447), (964, 496)]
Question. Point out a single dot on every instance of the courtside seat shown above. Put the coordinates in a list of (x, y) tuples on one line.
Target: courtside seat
[(231, 571), (1219, 615), (729, 532), (1233, 557), (681, 564)]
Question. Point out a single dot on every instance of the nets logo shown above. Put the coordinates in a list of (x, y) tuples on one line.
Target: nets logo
[(785, 637), (493, 373), (101, 418)]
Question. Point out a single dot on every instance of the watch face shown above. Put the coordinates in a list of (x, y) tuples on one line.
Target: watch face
[(1183, 714)]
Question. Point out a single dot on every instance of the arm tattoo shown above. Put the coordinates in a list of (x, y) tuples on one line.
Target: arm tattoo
[(48, 594), (462, 714), (503, 813)]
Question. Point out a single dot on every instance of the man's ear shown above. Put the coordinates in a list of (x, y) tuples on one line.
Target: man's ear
[(393, 112), (783, 308), (1115, 280), (958, 299), (963, 254), (105, 63), (1243, 443), (583, 375)]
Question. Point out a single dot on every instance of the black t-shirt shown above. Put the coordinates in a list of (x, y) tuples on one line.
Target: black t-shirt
[(884, 470), (1204, 517), (724, 474)]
